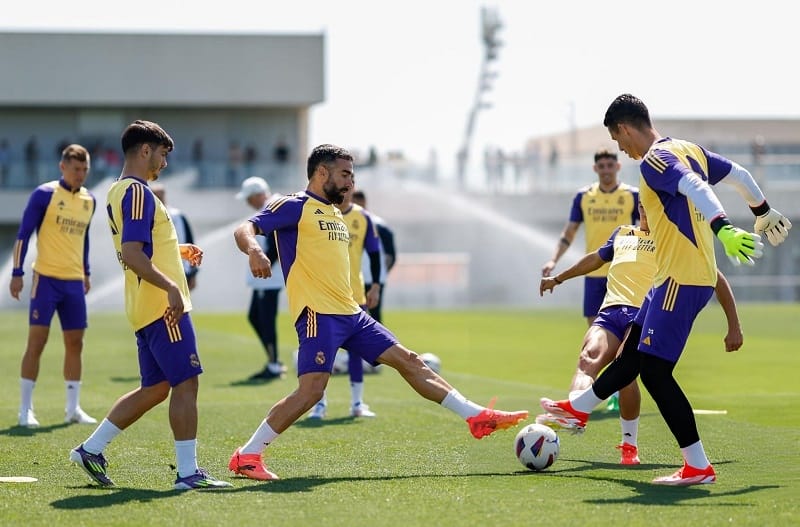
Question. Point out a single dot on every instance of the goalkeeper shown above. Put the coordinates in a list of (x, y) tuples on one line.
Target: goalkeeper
[(684, 216)]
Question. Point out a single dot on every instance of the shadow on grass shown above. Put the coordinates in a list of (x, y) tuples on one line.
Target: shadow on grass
[(24, 431), (646, 493), (102, 497)]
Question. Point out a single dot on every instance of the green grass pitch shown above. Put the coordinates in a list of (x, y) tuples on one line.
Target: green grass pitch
[(416, 463)]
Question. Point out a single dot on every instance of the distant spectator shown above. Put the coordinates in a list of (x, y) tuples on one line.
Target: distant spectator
[(235, 158), (280, 153), (5, 162), (32, 160), (250, 158)]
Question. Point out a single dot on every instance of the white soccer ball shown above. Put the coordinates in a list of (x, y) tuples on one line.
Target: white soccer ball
[(432, 361), (340, 362), (536, 446)]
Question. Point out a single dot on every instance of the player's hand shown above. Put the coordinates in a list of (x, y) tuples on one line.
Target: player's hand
[(174, 310), (373, 295), (774, 225), (87, 284), (742, 247), (191, 253), (734, 339), (548, 283), (15, 287), (260, 265), (548, 267)]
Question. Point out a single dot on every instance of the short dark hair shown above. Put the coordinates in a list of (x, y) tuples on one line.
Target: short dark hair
[(604, 153), (359, 194), (145, 132), (627, 109), (76, 152), (325, 154)]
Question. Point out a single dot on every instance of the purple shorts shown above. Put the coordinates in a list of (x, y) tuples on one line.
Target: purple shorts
[(168, 353), (320, 336), (50, 295), (667, 315), (616, 319), (594, 291)]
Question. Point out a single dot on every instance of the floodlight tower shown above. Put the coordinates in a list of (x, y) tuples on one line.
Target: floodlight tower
[(490, 25)]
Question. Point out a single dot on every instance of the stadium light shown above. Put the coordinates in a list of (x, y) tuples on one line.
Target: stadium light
[(490, 26)]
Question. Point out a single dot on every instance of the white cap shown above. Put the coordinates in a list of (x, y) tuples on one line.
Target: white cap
[(252, 186)]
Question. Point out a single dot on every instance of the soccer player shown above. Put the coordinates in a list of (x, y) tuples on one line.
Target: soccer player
[(313, 242), (602, 206), (60, 212), (388, 254), (363, 238), (263, 312), (157, 304), (631, 253), (684, 215)]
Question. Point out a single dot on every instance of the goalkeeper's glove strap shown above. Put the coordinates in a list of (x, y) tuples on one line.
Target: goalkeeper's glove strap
[(719, 222), (760, 210)]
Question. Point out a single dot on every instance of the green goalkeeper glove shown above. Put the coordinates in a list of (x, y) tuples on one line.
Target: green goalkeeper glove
[(740, 246)]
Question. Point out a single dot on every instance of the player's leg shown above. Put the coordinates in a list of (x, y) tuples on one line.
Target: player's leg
[(319, 338), (44, 299), (576, 410), (600, 346), (375, 344), (355, 370), (73, 317), (255, 316), (668, 331)]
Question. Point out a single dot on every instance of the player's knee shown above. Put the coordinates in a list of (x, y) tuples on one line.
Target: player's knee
[(591, 361)]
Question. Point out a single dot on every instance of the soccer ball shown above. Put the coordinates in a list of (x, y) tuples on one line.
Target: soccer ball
[(432, 361), (536, 446)]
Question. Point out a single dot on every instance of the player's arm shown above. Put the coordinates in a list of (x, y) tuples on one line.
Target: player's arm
[(31, 220), (372, 244), (245, 236), (567, 236), (387, 241), (590, 262), (134, 257), (734, 337), (769, 222), (87, 282)]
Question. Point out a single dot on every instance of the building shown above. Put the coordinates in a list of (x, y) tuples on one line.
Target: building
[(236, 104)]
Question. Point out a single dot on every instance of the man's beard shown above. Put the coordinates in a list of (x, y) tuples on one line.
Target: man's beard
[(333, 194)]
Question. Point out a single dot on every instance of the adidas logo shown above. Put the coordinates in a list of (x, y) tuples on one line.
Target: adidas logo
[(318, 212), (646, 340)]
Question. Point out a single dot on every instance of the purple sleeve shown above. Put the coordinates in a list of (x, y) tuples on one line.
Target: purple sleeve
[(576, 213), (372, 243), (662, 171), (286, 214), (86, 269), (138, 210), (606, 251), (31, 220), (718, 167)]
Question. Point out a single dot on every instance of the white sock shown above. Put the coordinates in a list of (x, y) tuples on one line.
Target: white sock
[(356, 392), (695, 455), (73, 396), (26, 394), (105, 432), (263, 436), (324, 400), (630, 430), (455, 402), (584, 401), (186, 454)]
